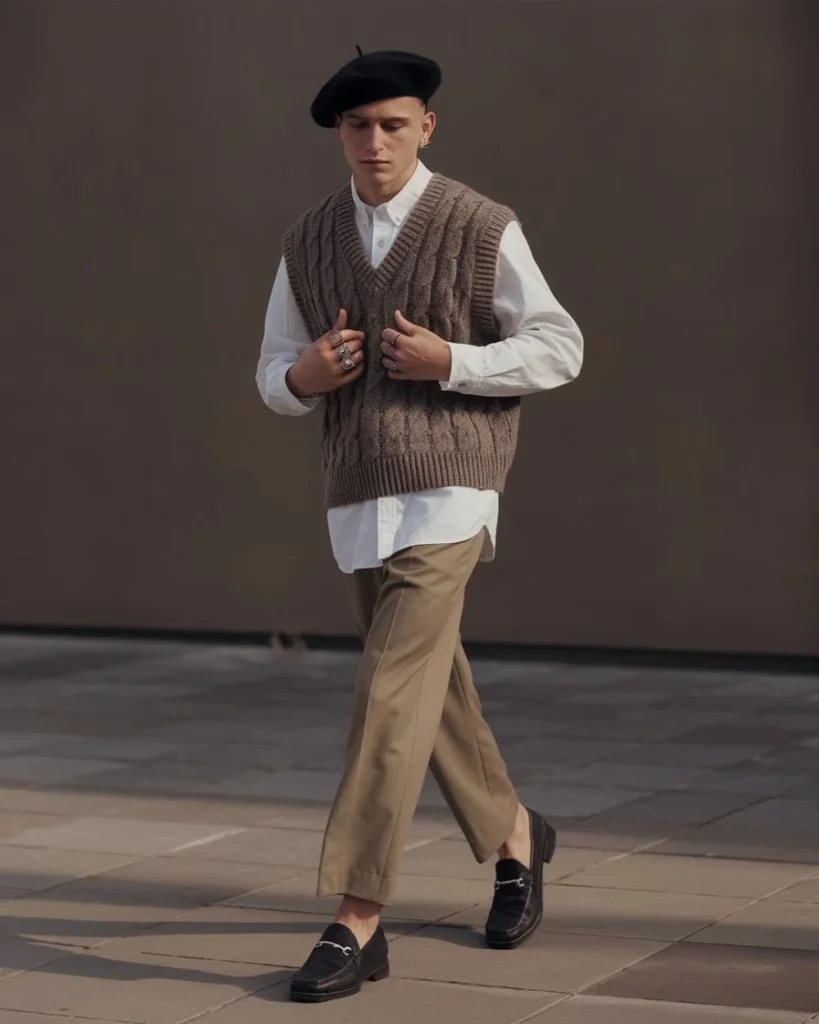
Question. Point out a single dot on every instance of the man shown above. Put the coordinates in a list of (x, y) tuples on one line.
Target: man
[(412, 307)]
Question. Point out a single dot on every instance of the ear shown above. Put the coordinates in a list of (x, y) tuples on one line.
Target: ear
[(430, 120)]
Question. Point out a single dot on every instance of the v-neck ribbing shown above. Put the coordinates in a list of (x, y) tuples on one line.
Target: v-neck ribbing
[(377, 278)]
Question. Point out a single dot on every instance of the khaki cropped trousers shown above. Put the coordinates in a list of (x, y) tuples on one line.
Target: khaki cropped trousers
[(415, 707)]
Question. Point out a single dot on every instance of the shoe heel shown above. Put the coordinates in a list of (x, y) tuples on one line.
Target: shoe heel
[(381, 973), (551, 843)]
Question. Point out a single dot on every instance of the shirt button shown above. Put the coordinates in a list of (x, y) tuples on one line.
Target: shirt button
[(381, 244)]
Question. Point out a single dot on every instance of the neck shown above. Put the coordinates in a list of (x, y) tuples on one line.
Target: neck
[(374, 193)]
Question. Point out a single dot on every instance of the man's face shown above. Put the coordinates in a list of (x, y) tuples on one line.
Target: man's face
[(381, 139)]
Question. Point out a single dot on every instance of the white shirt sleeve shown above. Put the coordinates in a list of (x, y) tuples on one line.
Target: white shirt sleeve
[(285, 338), (542, 346)]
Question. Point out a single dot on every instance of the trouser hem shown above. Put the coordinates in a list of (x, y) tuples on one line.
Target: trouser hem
[(482, 851), (362, 884)]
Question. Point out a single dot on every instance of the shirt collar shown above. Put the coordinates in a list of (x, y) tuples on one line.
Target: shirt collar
[(400, 206)]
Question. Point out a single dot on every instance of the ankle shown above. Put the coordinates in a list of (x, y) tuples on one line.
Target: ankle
[(517, 846), (360, 916)]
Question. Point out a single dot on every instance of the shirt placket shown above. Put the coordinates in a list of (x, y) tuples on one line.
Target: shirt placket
[(382, 229)]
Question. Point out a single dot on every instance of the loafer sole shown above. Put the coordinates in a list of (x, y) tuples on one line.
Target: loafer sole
[(506, 943), (305, 995)]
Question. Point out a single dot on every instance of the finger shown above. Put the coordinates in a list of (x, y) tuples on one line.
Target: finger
[(389, 350), (355, 358), (351, 375), (349, 350), (393, 366), (341, 320), (335, 339), (390, 335), (354, 344), (404, 325), (347, 378)]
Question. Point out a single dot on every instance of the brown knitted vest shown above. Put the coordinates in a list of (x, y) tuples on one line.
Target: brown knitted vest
[(383, 437)]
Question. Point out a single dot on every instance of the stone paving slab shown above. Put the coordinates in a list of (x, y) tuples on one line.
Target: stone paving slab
[(708, 877), (14, 822), (611, 832), (752, 842), (602, 1010), (420, 898), (567, 861), (616, 912), (162, 808), (132, 989), (122, 835), (238, 934), (555, 962), (803, 892), (59, 802), (746, 976), (281, 846), (574, 801), (640, 777), (768, 923), (398, 1002), (36, 869), (13, 1017), (696, 755), (197, 808), (39, 769), (38, 919), (170, 881), (19, 953), (751, 778)]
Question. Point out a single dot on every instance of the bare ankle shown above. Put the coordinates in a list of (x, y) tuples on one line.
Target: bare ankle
[(360, 916), (517, 846)]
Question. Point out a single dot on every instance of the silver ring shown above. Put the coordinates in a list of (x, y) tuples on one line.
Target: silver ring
[(395, 367), (343, 352), (347, 363), (335, 338)]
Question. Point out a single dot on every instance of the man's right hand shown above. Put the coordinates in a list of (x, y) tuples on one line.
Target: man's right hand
[(319, 368)]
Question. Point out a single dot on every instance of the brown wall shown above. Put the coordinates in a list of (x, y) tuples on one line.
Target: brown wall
[(659, 157)]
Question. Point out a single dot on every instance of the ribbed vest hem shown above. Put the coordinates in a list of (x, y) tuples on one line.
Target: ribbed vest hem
[(405, 474)]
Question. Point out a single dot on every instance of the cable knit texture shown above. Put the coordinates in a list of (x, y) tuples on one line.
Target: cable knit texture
[(383, 437)]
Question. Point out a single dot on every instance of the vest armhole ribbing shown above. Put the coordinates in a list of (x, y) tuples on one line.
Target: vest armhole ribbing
[(293, 241), (486, 267)]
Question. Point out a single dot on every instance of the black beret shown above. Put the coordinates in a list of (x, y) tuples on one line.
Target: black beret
[(372, 77)]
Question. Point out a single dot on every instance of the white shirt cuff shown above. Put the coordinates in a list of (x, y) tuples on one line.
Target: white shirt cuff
[(281, 398), (466, 366)]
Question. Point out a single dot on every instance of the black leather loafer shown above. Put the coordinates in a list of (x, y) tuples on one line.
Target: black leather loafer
[(338, 967), (517, 908)]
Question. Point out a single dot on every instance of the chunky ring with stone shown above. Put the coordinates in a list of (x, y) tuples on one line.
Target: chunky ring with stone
[(347, 363), (335, 338), (343, 352)]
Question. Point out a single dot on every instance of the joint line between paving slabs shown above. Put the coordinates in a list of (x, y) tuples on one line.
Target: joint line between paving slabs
[(204, 1014), (543, 1009), (626, 967), (208, 839)]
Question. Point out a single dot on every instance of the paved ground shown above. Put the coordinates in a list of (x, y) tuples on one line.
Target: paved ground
[(161, 808)]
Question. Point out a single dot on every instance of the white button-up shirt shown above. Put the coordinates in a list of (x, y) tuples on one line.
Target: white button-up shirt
[(541, 348)]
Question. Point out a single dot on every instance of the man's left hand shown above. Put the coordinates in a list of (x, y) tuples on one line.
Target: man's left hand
[(414, 353)]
